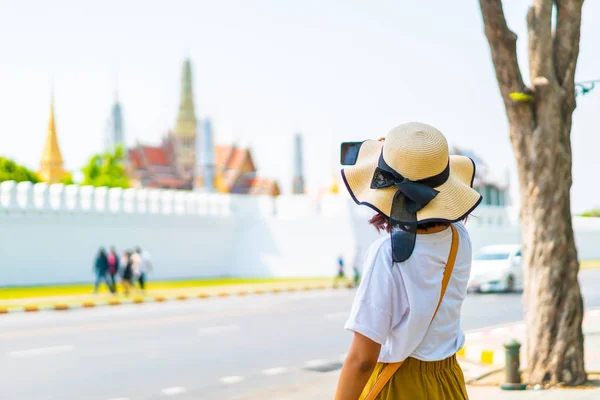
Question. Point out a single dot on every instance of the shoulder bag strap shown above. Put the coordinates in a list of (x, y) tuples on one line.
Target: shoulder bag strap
[(391, 368)]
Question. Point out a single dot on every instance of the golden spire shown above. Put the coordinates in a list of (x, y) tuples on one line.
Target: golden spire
[(51, 166), (335, 187)]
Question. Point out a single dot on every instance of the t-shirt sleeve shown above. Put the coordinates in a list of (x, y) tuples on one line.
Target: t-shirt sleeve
[(371, 313)]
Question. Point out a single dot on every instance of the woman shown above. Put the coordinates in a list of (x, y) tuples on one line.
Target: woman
[(113, 267), (127, 272), (101, 270), (406, 314)]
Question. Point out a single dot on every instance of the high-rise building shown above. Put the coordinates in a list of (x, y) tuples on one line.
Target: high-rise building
[(298, 180), (115, 135), (205, 156), (52, 166)]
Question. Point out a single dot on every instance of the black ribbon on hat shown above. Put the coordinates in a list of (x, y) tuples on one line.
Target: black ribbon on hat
[(410, 197)]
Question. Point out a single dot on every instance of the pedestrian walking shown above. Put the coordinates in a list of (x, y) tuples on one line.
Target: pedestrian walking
[(127, 272), (101, 270), (113, 267), (142, 265), (341, 273), (356, 276), (403, 347)]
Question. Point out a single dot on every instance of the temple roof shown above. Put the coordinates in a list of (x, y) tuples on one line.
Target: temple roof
[(155, 168)]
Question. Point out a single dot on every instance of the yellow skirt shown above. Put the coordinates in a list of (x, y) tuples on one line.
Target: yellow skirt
[(416, 380)]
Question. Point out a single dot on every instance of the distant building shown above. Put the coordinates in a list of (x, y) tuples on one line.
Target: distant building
[(115, 135), (298, 180), (187, 158), (494, 189), (205, 159), (52, 165)]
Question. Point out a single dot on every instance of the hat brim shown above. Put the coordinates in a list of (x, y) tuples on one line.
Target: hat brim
[(455, 200)]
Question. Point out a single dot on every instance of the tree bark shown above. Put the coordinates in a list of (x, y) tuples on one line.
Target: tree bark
[(540, 133)]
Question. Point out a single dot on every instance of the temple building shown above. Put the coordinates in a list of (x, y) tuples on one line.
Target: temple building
[(187, 158), (52, 165)]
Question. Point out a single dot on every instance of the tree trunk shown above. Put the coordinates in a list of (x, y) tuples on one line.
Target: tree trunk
[(540, 133)]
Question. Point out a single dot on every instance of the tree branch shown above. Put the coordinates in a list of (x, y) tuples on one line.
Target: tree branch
[(566, 41), (539, 26), (503, 46)]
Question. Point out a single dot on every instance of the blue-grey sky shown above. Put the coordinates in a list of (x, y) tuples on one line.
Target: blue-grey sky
[(264, 69)]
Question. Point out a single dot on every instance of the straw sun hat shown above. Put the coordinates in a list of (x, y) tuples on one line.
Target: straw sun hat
[(411, 178)]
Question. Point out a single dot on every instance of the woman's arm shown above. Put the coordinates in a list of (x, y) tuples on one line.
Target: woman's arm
[(358, 367)]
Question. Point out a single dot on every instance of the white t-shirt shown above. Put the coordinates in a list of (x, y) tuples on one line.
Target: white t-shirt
[(395, 302)]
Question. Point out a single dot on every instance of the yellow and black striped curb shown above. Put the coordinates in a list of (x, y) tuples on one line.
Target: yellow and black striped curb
[(482, 355), (163, 298), (495, 354)]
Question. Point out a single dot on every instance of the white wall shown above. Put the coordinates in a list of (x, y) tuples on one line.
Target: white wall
[(50, 234)]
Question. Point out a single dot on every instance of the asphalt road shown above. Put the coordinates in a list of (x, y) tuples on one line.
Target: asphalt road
[(200, 349)]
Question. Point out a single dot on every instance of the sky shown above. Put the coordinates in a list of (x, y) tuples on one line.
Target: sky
[(265, 69)]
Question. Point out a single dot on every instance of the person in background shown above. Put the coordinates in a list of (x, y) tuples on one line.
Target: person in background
[(101, 270), (357, 261), (356, 276), (341, 273), (127, 271), (142, 265), (113, 267)]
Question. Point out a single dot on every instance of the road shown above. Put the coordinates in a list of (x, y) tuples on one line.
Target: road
[(200, 349)]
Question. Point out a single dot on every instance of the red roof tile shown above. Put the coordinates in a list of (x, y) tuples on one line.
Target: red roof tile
[(222, 155), (135, 158), (237, 159), (155, 155)]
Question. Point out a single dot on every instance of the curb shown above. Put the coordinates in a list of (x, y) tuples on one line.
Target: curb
[(160, 299), (481, 355), (496, 356)]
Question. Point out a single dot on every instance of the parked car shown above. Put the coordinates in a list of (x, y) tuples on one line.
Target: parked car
[(497, 268)]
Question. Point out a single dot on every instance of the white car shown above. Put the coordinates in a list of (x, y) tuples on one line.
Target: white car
[(497, 268)]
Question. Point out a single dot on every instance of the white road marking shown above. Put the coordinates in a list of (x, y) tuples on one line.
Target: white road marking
[(232, 379), (337, 315), (214, 330), (42, 351), (315, 363), (172, 391), (275, 371)]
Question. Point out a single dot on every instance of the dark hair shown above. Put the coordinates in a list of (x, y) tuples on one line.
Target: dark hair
[(382, 223)]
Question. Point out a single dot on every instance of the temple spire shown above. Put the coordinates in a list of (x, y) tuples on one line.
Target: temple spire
[(186, 118), (186, 125), (51, 166)]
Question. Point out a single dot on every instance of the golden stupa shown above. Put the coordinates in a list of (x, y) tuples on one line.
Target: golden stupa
[(51, 166), (335, 187)]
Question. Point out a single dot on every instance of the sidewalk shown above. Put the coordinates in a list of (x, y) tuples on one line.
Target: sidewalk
[(322, 386), (486, 346), (62, 303)]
